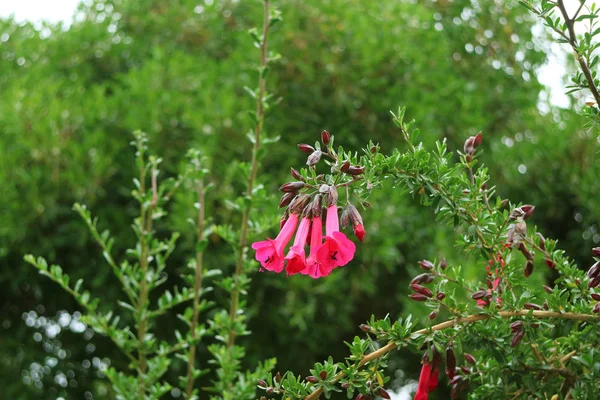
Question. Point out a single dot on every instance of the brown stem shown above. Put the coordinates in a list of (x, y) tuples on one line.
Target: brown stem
[(197, 288), (572, 39), (260, 114), (453, 322)]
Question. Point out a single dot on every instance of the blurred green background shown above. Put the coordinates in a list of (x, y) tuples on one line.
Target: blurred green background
[(70, 99)]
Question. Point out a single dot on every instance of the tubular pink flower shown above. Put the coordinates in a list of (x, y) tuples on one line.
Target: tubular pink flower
[(296, 256), (270, 252), (337, 250), (314, 267)]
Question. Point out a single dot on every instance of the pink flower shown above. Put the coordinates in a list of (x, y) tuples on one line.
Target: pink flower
[(314, 267), (270, 252), (337, 250), (296, 256), (429, 378)]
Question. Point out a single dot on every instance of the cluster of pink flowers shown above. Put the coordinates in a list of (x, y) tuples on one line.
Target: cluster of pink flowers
[(326, 252)]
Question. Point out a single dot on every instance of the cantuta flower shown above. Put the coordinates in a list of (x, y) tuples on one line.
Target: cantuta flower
[(270, 252), (337, 250), (314, 267), (296, 256)]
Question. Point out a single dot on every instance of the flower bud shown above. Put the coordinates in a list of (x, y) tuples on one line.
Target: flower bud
[(345, 218), (542, 241), (345, 385), (594, 282), (270, 390), (549, 263), (373, 149), (478, 139), (450, 362), (426, 265), (596, 296), (516, 214), (355, 170), (262, 384), (440, 296), (470, 359), (456, 379), (278, 377), (548, 289), (311, 379), (299, 203), (516, 326), (468, 147), (291, 186), (532, 306), (528, 270), (314, 158), (345, 165), (418, 297), (516, 338), (443, 264), (383, 394), (316, 206), (465, 370), (528, 210), (596, 251), (286, 199), (323, 375), (423, 279), (365, 328), (296, 175), (594, 270), (433, 315), (421, 289), (332, 195), (325, 137), (480, 294), (306, 148), (596, 308), (359, 232)]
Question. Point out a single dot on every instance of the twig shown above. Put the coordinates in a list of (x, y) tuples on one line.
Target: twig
[(453, 322)]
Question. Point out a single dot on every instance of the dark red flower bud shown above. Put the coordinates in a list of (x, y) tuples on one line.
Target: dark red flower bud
[(596, 308), (359, 231), (306, 148), (323, 375), (468, 147), (594, 270), (365, 328), (596, 251), (433, 315), (440, 296), (426, 265), (278, 377), (548, 289), (516, 338), (470, 359), (325, 137), (532, 306), (345, 165), (545, 305), (316, 206), (528, 270), (423, 279), (312, 379), (286, 199), (443, 264), (542, 240), (383, 394), (262, 384), (594, 282), (516, 326), (450, 362), (366, 204), (478, 139), (299, 203), (355, 170), (549, 263), (345, 385), (421, 289), (291, 186), (456, 379), (296, 175), (596, 296), (489, 283), (503, 204), (314, 158), (418, 297), (373, 149), (528, 209), (480, 294), (270, 390), (465, 370)]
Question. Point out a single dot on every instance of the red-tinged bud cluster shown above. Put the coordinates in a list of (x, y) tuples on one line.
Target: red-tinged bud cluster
[(421, 289), (423, 279), (471, 144)]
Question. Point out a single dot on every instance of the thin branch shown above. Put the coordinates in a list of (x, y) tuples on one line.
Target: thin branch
[(260, 114), (453, 322)]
